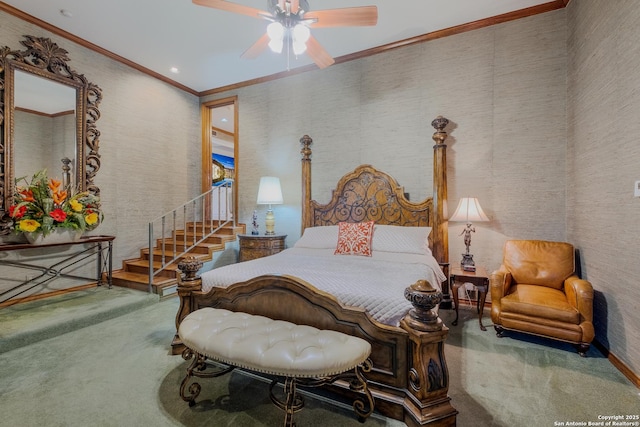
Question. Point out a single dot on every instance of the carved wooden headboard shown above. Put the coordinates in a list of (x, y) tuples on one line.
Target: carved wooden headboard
[(370, 194)]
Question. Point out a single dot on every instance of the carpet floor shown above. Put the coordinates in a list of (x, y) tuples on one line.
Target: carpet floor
[(118, 372)]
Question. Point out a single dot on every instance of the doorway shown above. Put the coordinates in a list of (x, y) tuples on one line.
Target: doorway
[(220, 154)]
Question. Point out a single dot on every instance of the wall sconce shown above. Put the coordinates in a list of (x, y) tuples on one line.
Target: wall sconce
[(468, 211), (270, 193)]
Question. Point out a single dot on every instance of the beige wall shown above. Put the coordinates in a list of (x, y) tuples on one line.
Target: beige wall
[(604, 162), (150, 140), (502, 87)]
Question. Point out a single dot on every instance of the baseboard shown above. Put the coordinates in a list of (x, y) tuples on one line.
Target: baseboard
[(619, 364), (46, 295), (613, 359)]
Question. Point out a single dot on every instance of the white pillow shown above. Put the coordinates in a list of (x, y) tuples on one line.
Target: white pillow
[(323, 237), (394, 238)]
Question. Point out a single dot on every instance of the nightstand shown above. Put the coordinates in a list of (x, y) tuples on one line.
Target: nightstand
[(258, 246), (479, 279)]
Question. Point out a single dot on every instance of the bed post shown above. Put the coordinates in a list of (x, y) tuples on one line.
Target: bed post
[(188, 282), (440, 231), (306, 181), (427, 400)]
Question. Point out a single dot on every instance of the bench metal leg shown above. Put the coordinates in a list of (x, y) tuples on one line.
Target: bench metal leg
[(363, 406), (198, 368), (362, 409), (292, 403)]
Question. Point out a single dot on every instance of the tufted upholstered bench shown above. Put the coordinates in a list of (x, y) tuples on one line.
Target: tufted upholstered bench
[(305, 356)]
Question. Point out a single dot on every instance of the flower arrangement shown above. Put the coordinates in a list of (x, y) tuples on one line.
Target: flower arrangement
[(42, 205)]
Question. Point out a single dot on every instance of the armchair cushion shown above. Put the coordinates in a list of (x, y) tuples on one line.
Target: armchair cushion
[(540, 301)]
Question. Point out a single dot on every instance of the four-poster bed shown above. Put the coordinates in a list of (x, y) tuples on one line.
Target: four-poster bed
[(410, 377)]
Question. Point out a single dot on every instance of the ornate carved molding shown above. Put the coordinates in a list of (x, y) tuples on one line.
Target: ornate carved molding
[(44, 58)]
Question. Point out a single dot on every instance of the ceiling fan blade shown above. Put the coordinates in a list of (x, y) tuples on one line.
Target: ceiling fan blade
[(231, 7), (319, 55), (257, 48), (347, 17), (295, 5)]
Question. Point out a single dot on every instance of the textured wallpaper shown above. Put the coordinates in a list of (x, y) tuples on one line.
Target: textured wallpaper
[(504, 90), (603, 162)]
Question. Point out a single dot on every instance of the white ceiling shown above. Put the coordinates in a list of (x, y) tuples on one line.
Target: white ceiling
[(205, 44)]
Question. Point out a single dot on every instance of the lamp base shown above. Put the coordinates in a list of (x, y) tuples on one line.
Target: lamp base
[(270, 222), (467, 263)]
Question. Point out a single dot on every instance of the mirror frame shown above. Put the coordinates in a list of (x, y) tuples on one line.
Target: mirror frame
[(45, 58)]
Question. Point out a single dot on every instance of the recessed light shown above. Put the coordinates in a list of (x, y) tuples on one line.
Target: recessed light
[(224, 120), (66, 13), (174, 70)]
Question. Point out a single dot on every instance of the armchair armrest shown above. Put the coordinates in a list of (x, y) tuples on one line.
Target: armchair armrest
[(580, 295), (499, 282)]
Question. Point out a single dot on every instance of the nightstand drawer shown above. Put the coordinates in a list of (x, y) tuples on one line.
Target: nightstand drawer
[(262, 244), (252, 246)]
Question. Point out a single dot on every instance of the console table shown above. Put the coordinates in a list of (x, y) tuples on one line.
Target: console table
[(100, 247)]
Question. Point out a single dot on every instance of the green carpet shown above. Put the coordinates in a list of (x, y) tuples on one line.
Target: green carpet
[(118, 372)]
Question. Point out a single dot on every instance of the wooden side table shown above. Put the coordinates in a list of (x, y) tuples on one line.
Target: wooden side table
[(258, 246), (479, 279)]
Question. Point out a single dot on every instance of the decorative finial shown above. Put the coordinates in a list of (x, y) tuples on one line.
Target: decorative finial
[(439, 123), (424, 299), (189, 267), (306, 150)]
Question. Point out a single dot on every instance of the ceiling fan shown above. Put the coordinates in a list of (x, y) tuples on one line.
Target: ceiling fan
[(290, 24)]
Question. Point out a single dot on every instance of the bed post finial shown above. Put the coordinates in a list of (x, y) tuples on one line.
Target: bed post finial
[(440, 233), (439, 123), (306, 180)]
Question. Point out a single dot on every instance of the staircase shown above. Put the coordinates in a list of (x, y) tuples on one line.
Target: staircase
[(135, 272)]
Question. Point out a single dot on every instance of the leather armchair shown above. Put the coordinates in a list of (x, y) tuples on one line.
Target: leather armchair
[(536, 291)]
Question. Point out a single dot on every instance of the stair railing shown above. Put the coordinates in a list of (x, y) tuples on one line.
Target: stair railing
[(207, 213)]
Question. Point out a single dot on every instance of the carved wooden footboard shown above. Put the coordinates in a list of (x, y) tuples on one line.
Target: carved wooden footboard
[(410, 378)]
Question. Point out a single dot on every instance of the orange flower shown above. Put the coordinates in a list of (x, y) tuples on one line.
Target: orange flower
[(15, 212), (54, 184), (27, 195), (58, 215), (59, 196)]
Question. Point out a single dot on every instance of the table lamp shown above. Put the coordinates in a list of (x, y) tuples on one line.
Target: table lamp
[(269, 193), (469, 211)]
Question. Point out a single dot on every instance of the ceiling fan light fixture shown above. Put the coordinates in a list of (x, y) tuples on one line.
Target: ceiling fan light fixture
[(299, 47), (301, 33), (276, 45), (275, 30)]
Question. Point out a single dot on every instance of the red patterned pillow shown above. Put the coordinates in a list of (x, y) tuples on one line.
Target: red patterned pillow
[(354, 238)]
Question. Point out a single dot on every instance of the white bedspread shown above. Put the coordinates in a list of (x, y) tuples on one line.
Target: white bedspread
[(374, 283)]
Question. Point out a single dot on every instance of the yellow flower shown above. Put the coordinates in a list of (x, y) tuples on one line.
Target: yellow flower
[(91, 219), (29, 225), (75, 205)]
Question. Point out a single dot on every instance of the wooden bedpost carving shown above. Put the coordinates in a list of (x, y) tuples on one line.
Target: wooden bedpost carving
[(188, 281), (306, 181), (440, 233), (428, 372), (440, 226)]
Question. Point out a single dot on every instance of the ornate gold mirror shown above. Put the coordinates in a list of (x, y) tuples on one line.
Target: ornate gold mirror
[(48, 113)]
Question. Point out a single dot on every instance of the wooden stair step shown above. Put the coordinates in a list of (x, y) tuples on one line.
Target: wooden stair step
[(135, 272), (142, 278)]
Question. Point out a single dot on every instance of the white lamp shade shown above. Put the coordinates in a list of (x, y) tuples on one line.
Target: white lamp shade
[(469, 210), (269, 192)]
